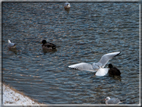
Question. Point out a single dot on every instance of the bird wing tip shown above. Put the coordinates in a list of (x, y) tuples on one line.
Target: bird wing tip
[(9, 41), (70, 66)]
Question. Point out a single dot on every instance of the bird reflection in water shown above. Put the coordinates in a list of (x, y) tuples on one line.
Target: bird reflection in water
[(49, 51), (116, 77)]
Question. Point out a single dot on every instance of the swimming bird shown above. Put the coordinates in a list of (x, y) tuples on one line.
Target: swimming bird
[(99, 66), (67, 6), (48, 46), (113, 70), (109, 100), (11, 45)]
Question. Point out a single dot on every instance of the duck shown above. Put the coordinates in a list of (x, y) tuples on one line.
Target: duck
[(96, 67), (48, 46), (109, 100), (67, 6), (113, 71)]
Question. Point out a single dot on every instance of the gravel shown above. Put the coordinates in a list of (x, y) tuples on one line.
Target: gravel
[(13, 97)]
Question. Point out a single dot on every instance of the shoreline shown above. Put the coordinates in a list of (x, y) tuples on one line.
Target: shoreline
[(12, 97)]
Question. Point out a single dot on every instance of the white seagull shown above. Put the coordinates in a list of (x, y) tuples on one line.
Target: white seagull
[(67, 5), (99, 66), (109, 100), (11, 45)]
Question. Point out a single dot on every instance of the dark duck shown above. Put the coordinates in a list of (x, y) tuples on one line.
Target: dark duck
[(113, 71), (48, 46)]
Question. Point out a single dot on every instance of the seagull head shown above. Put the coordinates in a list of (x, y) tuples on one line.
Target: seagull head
[(68, 5), (107, 98)]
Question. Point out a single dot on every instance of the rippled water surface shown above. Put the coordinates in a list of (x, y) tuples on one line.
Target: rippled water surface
[(84, 35)]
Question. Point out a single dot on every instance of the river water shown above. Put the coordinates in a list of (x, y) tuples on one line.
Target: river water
[(87, 32)]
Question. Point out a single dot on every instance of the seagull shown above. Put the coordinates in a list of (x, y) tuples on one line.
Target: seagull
[(67, 6), (109, 100), (11, 45), (113, 70), (99, 66)]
